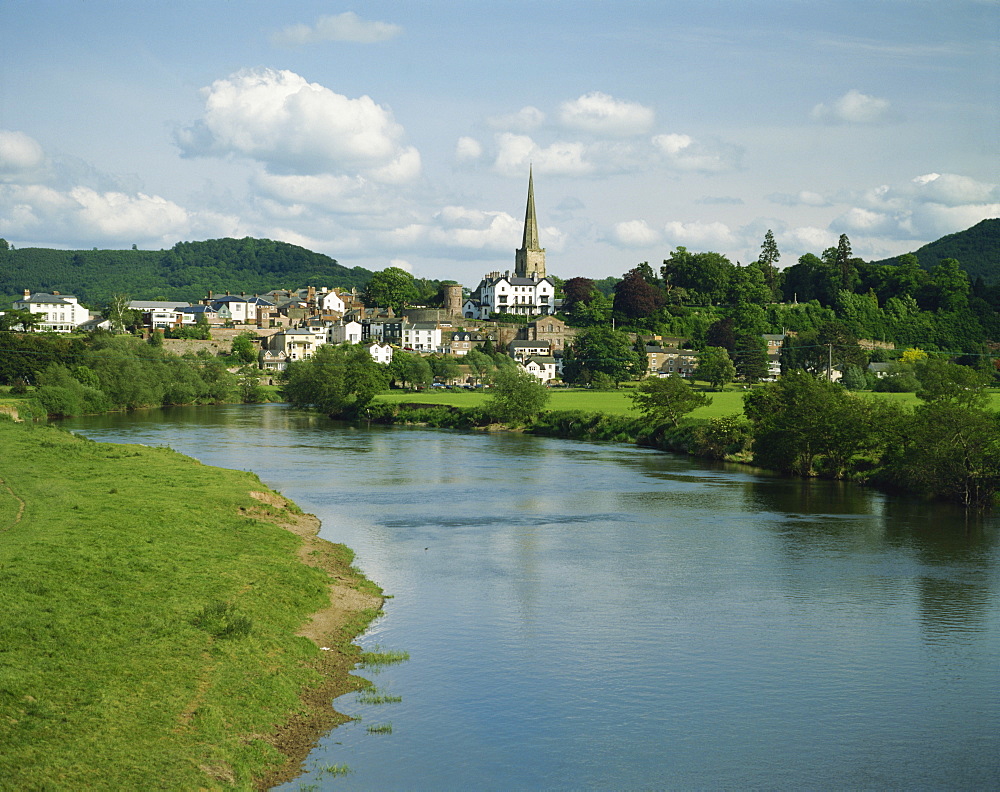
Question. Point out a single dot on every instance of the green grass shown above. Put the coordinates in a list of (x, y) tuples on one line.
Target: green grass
[(382, 728), (727, 402), (148, 630)]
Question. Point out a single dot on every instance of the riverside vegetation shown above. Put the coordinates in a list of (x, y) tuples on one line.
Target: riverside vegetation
[(156, 629)]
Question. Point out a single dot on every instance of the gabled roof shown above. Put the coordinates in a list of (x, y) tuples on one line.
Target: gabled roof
[(44, 297)]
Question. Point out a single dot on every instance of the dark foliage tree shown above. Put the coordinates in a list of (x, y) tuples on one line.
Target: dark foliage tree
[(636, 297)]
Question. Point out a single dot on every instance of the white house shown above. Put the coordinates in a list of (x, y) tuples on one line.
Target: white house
[(299, 343), (522, 350), (543, 367), (160, 314), (62, 312), (330, 301), (509, 294), (422, 336), (349, 332), (381, 353)]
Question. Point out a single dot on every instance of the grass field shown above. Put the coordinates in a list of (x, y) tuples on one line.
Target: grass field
[(150, 611), (728, 402)]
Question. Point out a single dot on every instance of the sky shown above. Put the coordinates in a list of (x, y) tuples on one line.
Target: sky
[(401, 133)]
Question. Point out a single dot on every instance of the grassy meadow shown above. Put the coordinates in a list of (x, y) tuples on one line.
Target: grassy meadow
[(150, 609), (617, 402)]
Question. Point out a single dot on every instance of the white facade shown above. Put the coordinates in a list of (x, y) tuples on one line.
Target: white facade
[(381, 353), (422, 336), (542, 368), (330, 301), (508, 294), (349, 332), (62, 312)]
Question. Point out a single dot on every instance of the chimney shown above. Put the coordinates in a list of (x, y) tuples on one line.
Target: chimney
[(227, 293), (243, 294), (56, 293), (27, 293)]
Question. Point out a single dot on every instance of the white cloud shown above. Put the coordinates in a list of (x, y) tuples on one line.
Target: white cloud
[(290, 125), (402, 264), (326, 190), (516, 152), (699, 235), (806, 239), (635, 233), (468, 149), (342, 27), (853, 107), (600, 113), (684, 153), (85, 214), (524, 120), (19, 154)]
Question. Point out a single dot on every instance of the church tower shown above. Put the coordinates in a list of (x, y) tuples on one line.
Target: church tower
[(529, 259)]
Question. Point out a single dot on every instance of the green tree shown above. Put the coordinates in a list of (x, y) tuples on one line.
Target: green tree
[(942, 382), (338, 380), (392, 287), (750, 360), (243, 348), (602, 349), (667, 399), (715, 367), (516, 396), (767, 262)]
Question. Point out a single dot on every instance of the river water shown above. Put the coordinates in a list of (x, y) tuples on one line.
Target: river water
[(596, 616)]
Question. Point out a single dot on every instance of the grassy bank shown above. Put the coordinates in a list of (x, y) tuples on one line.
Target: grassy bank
[(156, 629)]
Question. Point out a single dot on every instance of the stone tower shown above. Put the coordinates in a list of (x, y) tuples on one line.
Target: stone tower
[(453, 298), (529, 259)]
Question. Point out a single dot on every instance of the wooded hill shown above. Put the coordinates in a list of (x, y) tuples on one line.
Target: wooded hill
[(977, 248), (185, 272)]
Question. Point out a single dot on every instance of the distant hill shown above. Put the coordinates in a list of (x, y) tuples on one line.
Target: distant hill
[(977, 249), (185, 272)]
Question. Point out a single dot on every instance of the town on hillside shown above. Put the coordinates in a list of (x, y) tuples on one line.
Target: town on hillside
[(291, 324)]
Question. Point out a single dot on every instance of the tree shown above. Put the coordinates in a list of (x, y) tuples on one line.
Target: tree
[(602, 349), (750, 359), (942, 382), (636, 297), (516, 395), (243, 348), (715, 367), (577, 290), (392, 287), (118, 312), (767, 262), (704, 276), (339, 380), (667, 399)]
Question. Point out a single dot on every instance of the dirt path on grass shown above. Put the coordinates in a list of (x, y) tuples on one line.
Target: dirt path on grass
[(332, 629), (20, 505)]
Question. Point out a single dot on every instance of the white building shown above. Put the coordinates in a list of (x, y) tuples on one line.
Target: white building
[(422, 336), (160, 314), (542, 367), (381, 353), (510, 294), (62, 312), (349, 332)]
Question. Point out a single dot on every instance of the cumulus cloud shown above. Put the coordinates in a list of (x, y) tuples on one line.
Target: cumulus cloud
[(853, 107), (20, 154), (700, 235), (85, 214), (635, 233), (468, 149), (926, 207), (290, 125), (599, 113), (684, 153), (516, 152), (524, 120), (342, 27)]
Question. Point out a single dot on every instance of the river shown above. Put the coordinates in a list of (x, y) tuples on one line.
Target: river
[(596, 616)]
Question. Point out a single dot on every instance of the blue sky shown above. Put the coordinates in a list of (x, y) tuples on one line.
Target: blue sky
[(401, 134)]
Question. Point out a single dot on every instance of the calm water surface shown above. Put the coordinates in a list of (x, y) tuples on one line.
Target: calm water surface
[(585, 616)]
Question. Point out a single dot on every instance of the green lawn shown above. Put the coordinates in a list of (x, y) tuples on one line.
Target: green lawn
[(727, 402), (149, 618)]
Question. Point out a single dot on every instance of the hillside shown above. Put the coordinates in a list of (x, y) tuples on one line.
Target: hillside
[(185, 272), (977, 249)]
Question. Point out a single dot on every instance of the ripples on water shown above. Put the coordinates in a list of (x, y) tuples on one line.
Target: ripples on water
[(585, 616)]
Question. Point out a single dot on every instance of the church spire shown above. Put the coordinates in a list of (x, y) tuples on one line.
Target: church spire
[(529, 259), (530, 240)]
